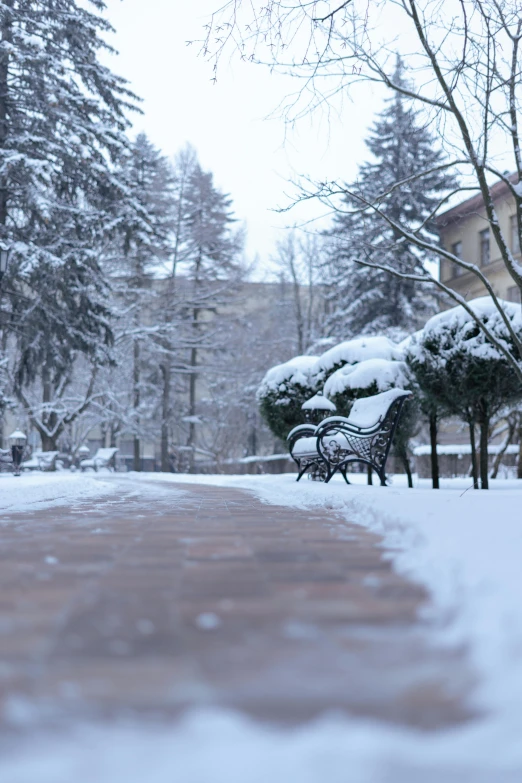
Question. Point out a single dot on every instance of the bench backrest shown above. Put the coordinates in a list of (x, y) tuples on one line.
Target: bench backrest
[(46, 456), (369, 411), (104, 455)]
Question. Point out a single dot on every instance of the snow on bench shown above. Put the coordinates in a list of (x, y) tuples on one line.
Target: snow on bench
[(41, 460), (364, 436), (104, 458)]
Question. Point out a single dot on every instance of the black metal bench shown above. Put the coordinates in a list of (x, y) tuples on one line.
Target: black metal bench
[(6, 458), (365, 437)]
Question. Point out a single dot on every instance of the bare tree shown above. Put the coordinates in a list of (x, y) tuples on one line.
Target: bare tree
[(467, 68), (300, 261)]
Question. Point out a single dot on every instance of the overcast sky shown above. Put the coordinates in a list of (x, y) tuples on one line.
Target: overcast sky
[(252, 157)]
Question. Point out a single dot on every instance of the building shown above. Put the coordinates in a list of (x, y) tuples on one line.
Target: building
[(465, 232)]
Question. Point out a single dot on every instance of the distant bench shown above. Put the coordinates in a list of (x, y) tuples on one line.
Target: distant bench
[(41, 460), (364, 436), (104, 458)]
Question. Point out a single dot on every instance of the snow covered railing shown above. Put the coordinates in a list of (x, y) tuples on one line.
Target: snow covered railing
[(462, 449), (365, 436)]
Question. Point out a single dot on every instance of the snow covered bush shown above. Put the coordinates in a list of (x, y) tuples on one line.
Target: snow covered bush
[(282, 392), (353, 352), (368, 377), (353, 369), (463, 372)]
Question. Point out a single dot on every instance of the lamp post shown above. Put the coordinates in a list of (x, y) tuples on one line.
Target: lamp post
[(318, 408), (5, 252), (17, 439), (84, 452)]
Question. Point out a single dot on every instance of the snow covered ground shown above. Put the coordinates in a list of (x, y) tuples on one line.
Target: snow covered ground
[(32, 491), (464, 545)]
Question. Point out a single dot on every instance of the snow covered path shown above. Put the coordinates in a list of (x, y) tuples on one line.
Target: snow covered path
[(147, 626), (143, 603)]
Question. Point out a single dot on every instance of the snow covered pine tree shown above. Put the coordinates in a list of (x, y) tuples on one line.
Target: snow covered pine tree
[(143, 244), (62, 122), (367, 300), (211, 263)]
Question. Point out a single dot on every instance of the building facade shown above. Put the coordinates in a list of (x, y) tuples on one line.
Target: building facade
[(466, 233)]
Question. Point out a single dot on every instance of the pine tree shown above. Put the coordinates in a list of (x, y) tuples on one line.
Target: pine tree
[(62, 124), (211, 263), (144, 244), (371, 301)]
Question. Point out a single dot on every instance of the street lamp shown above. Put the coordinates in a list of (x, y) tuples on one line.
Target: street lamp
[(5, 252), (17, 439), (317, 408)]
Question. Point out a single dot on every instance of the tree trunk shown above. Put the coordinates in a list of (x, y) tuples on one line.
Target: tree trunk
[(48, 443), (252, 436), (474, 472), (503, 448), (165, 417), (49, 418), (433, 455), (484, 437), (191, 442), (6, 36), (407, 467), (136, 402), (519, 468), (403, 456)]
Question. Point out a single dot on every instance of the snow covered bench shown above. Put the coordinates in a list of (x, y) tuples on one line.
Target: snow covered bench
[(365, 436), (104, 458), (6, 457), (41, 460)]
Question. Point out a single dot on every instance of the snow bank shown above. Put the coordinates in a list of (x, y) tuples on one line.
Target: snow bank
[(215, 746), (43, 490), (386, 374), (354, 351)]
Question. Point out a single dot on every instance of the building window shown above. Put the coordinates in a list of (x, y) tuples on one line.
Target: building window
[(515, 238), (485, 256), (513, 294), (456, 249)]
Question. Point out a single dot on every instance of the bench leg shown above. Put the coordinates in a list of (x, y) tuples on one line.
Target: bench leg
[(382, 477), (301, 473), (343, 474), (330, 474)]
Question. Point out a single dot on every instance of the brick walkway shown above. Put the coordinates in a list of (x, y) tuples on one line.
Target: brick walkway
[(128, 606)]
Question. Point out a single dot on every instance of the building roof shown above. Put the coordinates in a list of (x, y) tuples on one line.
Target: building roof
[(475, 203)]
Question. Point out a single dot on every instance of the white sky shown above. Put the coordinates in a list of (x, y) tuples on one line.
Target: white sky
[(252, 157)]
